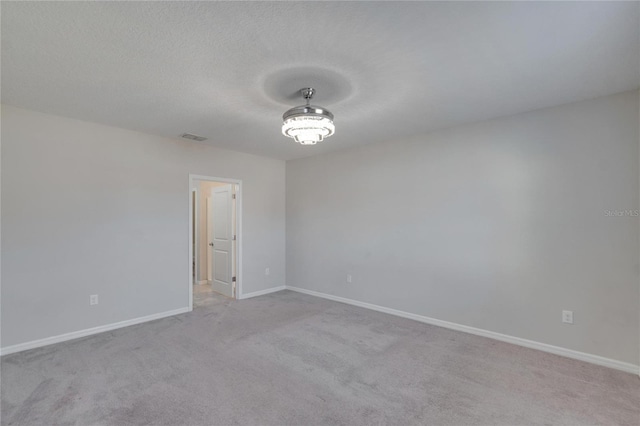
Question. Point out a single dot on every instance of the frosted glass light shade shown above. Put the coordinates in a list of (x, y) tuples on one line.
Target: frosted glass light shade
[(308, 129)]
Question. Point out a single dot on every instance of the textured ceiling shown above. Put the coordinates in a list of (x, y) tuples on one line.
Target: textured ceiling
[(387, 71)]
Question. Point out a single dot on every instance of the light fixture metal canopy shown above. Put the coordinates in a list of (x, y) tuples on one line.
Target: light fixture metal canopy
[(308, 124), (307, 110)]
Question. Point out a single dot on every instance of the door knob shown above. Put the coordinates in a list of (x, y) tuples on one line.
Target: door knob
[(211, 244)]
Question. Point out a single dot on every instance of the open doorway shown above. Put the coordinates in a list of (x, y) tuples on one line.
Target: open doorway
[(215, 240)]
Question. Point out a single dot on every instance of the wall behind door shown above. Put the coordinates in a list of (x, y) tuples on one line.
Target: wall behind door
[(112, 218)]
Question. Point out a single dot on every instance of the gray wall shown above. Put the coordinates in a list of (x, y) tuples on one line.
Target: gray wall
[(91, 209), (498, 225)]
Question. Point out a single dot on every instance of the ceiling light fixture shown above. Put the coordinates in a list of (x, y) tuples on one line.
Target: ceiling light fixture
[(308, 124)]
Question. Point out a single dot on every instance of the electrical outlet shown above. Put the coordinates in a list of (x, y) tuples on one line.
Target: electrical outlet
[(349, 278), (567, 317), (267, 271), (93, 299)]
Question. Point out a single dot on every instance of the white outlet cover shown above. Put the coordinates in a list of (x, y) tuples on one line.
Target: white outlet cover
[(267, 271), (93, 299), (567, 317), (349, 278)]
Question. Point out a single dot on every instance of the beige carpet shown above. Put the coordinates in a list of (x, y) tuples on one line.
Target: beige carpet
[(292, 359)]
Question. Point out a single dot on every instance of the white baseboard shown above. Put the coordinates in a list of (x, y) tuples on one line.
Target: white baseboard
[(262, 292), (87, 332), (569, 353), (557, 350), (202, 282)]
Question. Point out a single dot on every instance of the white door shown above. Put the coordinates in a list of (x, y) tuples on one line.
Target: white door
[(221, 239), (210, 240)]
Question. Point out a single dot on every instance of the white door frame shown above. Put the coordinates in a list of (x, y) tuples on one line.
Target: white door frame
[(192, 179), (194, 231)]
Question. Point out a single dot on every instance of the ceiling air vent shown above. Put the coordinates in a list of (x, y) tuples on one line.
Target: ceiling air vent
[(193, 137)]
